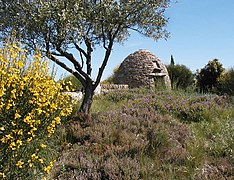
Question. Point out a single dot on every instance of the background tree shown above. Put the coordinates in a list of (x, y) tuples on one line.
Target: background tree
[(207, 77), (72, 82), (56, 27), (110, 79), (181, 76), (172, 60), (226, 82)]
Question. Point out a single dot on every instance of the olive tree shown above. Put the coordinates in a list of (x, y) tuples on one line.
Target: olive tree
[(58, 26)]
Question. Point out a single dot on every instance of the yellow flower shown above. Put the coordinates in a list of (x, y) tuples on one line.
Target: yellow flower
[(20, 132), (19, 142), (20, 164), (13, 124), (17, 116), (39, 111), (41, 161), (29, 88), (20, 64), (29, 140), (12, 146), (2, 175), (4, 139), (30, 164), (43, 146), (57, 120), (48, 168), (2, 128), (9, 136), (34, 157)]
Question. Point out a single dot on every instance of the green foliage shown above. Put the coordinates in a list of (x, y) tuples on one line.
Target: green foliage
[(181, 76), (64, 22), (72, 83), (207, 77), (212, 146), (226, 83)]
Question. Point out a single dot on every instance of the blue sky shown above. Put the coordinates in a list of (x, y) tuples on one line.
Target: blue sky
[(200, 30)]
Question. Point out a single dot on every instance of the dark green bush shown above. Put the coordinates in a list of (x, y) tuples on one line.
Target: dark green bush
[(207, 78), (181, 76)]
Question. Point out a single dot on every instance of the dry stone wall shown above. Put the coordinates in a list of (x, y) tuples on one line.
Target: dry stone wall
[(142, 68), (113, 87)]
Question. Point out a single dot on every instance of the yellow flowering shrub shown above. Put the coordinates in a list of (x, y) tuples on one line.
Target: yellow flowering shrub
[(31, 107)]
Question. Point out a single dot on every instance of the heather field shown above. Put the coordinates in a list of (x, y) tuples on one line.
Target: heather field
[(140, 134)]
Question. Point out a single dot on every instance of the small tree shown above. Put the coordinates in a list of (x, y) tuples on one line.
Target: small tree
[(207, 77), (58, 26), (181, 76)]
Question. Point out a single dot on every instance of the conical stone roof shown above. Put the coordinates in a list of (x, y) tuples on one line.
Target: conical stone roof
[(142, 68)]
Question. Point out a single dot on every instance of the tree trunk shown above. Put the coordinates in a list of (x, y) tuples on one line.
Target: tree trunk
[(88, 98)]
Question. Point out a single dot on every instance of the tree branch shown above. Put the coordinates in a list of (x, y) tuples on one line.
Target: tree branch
[(104, 63), (88, 58), (107, 55), (64, 66), (76, 64), (104, 38), (80, 49), (82, 52)]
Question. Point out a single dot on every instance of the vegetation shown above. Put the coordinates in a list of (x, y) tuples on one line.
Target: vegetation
[(150, 135), (56, 27), (31, 108), (130, 134), (207, 77), (181, 76), (110, 79), (72, 83), (226, 83)]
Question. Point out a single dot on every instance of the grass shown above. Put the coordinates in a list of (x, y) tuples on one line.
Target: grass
[(138, 134)]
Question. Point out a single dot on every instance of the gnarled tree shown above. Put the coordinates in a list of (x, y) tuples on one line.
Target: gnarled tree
[(57, 26)]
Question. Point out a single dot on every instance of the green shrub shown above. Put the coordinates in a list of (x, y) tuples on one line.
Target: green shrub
[(181, 76), (207, 77)]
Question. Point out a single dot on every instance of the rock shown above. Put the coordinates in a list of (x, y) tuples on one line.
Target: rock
[(75, 96)]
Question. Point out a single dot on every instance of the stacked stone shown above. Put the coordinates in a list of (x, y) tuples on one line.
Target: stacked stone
[(140, 69)]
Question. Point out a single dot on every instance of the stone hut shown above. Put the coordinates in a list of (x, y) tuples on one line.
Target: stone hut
[(142, 68)]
